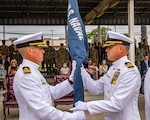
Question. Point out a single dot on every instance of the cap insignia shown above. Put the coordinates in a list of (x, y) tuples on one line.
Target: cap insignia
[(129, 64), (26, 70)]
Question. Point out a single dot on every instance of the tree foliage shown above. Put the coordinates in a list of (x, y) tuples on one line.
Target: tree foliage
[(93, 35)]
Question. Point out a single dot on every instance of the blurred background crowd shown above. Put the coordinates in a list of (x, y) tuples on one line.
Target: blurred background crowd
[(58, 61)]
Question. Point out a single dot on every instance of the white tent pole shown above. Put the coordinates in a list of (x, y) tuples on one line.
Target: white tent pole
[(66, 36), (99, 34), (131, 29)]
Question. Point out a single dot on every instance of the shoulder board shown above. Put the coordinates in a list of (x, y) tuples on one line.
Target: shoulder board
[(26, 70), (129, 64)]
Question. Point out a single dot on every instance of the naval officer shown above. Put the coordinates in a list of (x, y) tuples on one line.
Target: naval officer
[(120, 84), (147, 94), (34, 95)]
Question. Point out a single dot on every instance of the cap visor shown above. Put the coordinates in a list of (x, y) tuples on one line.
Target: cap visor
[(42, 46), (107, 45)]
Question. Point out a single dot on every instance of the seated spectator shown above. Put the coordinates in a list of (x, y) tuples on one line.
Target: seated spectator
[(103, 68), (95, 68), (92, 69), (12, 68), (3, 73), (65, 70)]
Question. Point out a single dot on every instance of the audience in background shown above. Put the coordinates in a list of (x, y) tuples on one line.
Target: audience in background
[(12, 69), (103, 68), (145, 64), (100, 52), (92, 69), (139, 55), (145, 46), (96, 53), (49, 58), (3, 74), (65, 70), (4, 61), (14, 54), (93, 54), (62, 56), (4, 49)]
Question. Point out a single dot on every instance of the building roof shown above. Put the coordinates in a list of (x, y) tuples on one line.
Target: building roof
[(54, 12)]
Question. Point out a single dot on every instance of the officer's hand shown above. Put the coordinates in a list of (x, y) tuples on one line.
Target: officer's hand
[(83, 70), (80, 115), (73, 70), (79, 106)]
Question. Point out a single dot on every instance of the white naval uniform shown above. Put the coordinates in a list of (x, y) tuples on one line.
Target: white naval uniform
[(35, 96), (147, 94), (120, 99)]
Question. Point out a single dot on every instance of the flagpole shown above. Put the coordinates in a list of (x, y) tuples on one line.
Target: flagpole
[(78, 47)]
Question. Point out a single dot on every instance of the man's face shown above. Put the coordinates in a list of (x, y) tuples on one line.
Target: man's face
[(146, 57), (37, 54), (89, 62), (3, 57), (113, 52)]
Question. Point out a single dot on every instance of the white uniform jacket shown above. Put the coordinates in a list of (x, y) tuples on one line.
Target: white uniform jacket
[(120, 86), (147, 94), (34, 95)]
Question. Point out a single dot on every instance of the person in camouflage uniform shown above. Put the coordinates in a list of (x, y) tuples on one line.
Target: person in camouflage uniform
[(139, 55), (49, 57), (14, 54), (4, 49), (62, 56), (145, 46), (93, 54)]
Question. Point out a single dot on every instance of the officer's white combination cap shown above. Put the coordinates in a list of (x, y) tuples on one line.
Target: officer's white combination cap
[(30, 40), (114, 38)]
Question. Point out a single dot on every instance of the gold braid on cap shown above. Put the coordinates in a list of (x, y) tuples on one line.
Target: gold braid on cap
[(114, 42), (111, 43), (38, 44)]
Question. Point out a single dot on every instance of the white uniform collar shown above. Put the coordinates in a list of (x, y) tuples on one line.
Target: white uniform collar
[(120, 61), (30, 63)]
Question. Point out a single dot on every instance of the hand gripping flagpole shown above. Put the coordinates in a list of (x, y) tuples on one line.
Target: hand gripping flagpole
[(78, 46)]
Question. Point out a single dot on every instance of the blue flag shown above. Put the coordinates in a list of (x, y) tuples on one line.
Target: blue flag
[(78, 46)]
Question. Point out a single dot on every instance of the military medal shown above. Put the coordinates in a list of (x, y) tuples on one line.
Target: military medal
[(115, 77)]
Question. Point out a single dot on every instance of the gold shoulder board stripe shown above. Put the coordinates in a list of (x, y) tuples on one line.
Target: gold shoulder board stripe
[(26, 70), (129, 64)]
